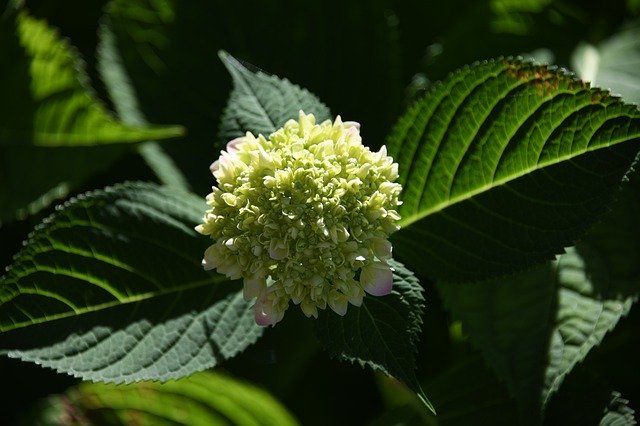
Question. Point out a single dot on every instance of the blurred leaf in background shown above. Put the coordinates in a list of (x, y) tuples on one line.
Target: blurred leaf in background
[(207, 398)]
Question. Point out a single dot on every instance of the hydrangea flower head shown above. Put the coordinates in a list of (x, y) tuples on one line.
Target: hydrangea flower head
[(304, 216)]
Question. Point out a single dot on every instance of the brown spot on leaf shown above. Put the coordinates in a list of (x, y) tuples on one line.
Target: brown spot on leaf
[(545, 80)]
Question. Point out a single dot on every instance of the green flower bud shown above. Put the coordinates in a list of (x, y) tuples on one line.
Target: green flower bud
[(303, 216)]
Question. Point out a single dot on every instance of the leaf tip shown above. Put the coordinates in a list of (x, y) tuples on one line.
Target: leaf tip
[(425, 402)]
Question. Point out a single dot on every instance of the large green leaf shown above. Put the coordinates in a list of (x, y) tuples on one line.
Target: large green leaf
[(207, 398), (504, 164), (383, 333), (53, 131), (110, 288), (125, 101), (535, 326), (262, 103), (46, 99)]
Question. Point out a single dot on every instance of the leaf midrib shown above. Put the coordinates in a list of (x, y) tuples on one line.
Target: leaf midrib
[(239, 75), (496, 183), (132, 299)]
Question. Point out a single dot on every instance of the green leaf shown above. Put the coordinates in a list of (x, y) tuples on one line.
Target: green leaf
[(509, 321), (535, 326), (514, 16), (32, 177), (383, 333), (613, 64), (206, 398), (53, 132), (262, 103), (110, 288), (125, 100), (618, 412), (463, 389), (53, 105), (503, 165)]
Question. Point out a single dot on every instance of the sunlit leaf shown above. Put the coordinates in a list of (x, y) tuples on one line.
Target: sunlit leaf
[(125, 101), (54, 133), (503, 165), (52, 104), (206, 398)]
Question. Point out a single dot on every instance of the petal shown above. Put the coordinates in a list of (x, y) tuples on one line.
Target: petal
[(253, 287), (377, 279), (347, 124), (214, 166), (278, 249), (264, 312), (381, 248), (263, 318), (229, 199), (232, 146), (338, 303), (356, 295), (211, 258), (309, 308)]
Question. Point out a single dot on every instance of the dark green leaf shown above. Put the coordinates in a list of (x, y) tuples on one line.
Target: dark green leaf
[(32, 177), (503, 165), (535, 326), (382, 333), (509, 321), (479, 395), (125, 102), (110, 288), (262, 103)]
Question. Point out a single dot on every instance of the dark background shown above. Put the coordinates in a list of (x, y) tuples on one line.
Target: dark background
[(366, 61)]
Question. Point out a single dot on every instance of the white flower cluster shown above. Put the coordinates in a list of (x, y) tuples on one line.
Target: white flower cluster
[(303, 216)]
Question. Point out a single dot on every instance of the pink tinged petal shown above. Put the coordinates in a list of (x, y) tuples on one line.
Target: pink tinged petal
[(227, 166), (253, 287), (377, 279), (214, 166), (264, 312), (232, 146), (348, 124), (263, 318)]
